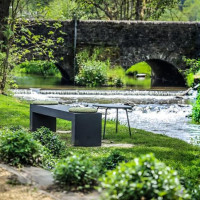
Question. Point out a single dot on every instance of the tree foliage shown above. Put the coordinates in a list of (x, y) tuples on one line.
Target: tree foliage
[(186, 10), (21, 42), (127, 9)]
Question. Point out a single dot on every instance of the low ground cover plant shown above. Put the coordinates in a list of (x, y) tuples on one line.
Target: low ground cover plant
[(143, 178), (19, 148), (76, 172), (112, 161), (50, 140)]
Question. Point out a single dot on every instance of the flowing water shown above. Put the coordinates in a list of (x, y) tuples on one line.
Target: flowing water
[(161, 111)]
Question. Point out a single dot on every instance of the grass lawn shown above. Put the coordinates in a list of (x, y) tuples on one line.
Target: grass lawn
[(140, 68), (176, 153)]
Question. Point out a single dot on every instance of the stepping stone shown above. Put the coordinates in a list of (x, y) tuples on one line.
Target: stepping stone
[(38, 177)]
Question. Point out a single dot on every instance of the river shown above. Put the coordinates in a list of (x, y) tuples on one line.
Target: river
[(158, 110)]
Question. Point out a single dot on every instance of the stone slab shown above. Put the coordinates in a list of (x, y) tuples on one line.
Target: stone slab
[(43, 180)]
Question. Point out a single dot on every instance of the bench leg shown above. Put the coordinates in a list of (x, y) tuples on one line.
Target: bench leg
[(86, 130), (38, 120)]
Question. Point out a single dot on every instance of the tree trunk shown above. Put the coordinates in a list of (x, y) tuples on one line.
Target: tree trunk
[(4, 72), (4, 13), (137, 9), (140, 9)]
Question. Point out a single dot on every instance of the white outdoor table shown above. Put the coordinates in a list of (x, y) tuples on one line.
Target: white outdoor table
[(117, 107)]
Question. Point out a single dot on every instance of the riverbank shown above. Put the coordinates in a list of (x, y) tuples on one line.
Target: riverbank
[(176, 153), (157, 111)]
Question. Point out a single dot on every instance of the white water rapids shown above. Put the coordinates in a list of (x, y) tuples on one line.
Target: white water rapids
[(155, 111)]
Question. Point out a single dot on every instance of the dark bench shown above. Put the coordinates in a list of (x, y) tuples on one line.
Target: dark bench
[(86, 127)]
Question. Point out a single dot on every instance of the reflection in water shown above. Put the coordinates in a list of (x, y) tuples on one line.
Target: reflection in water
[(36, 81)]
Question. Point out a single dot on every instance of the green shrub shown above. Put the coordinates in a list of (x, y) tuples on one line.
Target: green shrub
[(13, 128), (95, 68), (40, 67), (196, 110), (193, 188), (190, 79), (118, 82), (142, 178), (112, 161), (50, 140), (19, 148), (48, 161), (76, 172), (91, 74), (193, 69)]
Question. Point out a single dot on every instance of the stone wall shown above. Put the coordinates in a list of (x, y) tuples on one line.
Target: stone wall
[(161, 44)]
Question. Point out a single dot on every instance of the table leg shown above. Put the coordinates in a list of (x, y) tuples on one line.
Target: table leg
[(128, 122), (117, 120), (104, 130)]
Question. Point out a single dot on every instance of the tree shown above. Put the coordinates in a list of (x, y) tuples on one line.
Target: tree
[(191, 8), (186, 10), (21, 41), (4, 13), (4, 41), (127, 9)]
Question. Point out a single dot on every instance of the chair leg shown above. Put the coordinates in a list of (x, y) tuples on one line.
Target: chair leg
[(128, 123)]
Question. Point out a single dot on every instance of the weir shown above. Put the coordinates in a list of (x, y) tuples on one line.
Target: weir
[(101, 92)]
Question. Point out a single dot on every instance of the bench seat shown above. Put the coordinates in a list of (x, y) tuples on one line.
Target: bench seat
[(86, 127)]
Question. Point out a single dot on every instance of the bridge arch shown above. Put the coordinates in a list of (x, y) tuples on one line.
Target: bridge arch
[(164, 73)]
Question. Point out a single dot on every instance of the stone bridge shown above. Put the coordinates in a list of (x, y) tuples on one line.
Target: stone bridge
[(161, 44)]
